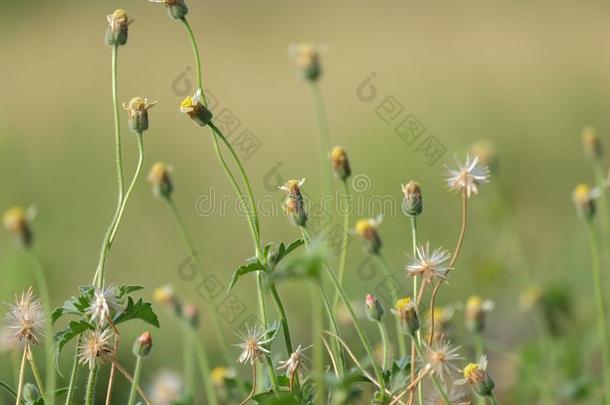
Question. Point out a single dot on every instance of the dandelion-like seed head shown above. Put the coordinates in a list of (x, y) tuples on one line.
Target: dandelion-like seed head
[(441, 357), (95, 346), (294, 362), (455, 395), (253, 344), (25, 318), (468, 176), (429, 264), (105, 302)]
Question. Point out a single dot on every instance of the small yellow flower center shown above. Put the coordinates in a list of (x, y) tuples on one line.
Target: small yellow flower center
[(119, 15), (470, 370), (293, 186), (403, 304), (364, 227), (14, 217), (474, 303), (158, 173), (187, 103), (137, 104), (582, 194), (163, 295), (218, 375), (338, 153)]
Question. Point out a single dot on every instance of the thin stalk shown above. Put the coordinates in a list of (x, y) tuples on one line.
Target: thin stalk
[(90, 392), (413, 223), (283, 320), (136, 379), (600, 181), (324, 138), (344, 244), (385, 343), (402, 345), (49, 346), (493, 400), (272, 376), (245, 401), (21, 375), (316, 337), (204, 367), (456, 252), (478, 350), (36, 374), (190, 247), (73, 374), (188, 350), (601, 308)]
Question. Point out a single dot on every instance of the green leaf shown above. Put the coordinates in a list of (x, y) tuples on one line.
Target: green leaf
[(249, 267), (70, 332), (127, 289), (306, 265), (275, 256), (138, 310), (74, 305)]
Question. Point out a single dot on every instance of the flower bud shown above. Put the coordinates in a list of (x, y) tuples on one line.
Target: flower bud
[(17, 224), (137, 111), (374, 309), (583, 200), (476, 313), (477, 376), (591, 143), (293, 188), (142, 345), (413, 203), (406, 312), (295, 210), (195, 108), (366, 229), (191, 315), (118, 26), (176, 9), (340, 164), (161, 182), (307, 58), (165, 296)]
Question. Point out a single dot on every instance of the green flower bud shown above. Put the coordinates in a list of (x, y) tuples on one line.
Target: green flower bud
[(118, 27), (137, 111), (366, 229), (142, 345), (413, 203), (294, 205), (307, 59), (176, 9), (374, 309)]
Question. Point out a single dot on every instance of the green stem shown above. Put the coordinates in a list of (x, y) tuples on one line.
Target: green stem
[(385, 343), (136, 380), (204, 367), (600, 180), (402, 345), (601, 308), (413, 223), (199, 75), (284, 321), (316, 338), (335, 329), (21, 375), (190, 246), (90, 393), (344, 244), (324, 138), (73, 374), (272, 376), (493, 400), (265, 321), (49, 346), (188, 362), (36, 374)]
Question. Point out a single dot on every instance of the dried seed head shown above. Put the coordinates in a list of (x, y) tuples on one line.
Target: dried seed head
[(366, 229), (17, 223), (195, 108), (591, 143), (142, 345), (429, 265), (468, 176), (583, 198), (476, 313), (160, 180), (294, 362), (95, 346), (307, 58), (340, 163), (412, 203), (441, 357), (406, 312), (118, 26), (25, 318), (477, 376), (253, 344), (374, 309), (176, 9), (137, 112), (104, 304)]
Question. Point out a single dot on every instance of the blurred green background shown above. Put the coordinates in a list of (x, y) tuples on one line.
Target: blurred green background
[(526, 75)]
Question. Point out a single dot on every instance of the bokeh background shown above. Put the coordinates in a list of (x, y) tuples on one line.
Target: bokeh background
[(526, 75)]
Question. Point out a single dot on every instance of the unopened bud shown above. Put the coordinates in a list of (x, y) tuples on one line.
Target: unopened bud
[(412, 203), (591, 143), (118, 27), (307, 59), (366, 229), (191, 315), (340, 163), (165, 296), (176, 9), (161, 182), (374, 309), (406, 312), (17, 224), (194, 107), (137, 111), (583, 200), (476, 313), (295, 210), (142, 345)]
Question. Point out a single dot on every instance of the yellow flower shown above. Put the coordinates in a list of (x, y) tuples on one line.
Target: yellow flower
[(218, 375), (403, 304), (470, 371)]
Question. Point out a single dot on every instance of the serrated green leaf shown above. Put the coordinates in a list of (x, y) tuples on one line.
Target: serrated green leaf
[(62, 337), (127, 289), (73, 306), (249, 267), (138, 310)]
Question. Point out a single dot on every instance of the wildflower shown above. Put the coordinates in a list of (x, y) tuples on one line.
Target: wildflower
[(25, 318), (161, 182), (479, 379), (476, 313), (294, 361), (220, 374), (468, 176), (429, 265), (294, 205), (441, 355), (406, 312), (374, 309), (17, 223), (340, 163), (176, 9), (118, 27), (95, 345), (191, 315), (584, 200), (252, 345), (486, 151), (142, 345), (165, 296), (293, 187), (442, 319), (367, 230), (104, 301), (307, 58), (137, 111), (591, 143), (412, 203), (195, 108), (167, 388)]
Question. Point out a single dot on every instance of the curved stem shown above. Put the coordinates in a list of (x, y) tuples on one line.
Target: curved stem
[(385, 343), (402, 345), (21, 375), (90, 393), (456, 252), (135, 382), (73, 374), (199, 75), (245, 401), (344, 244)]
